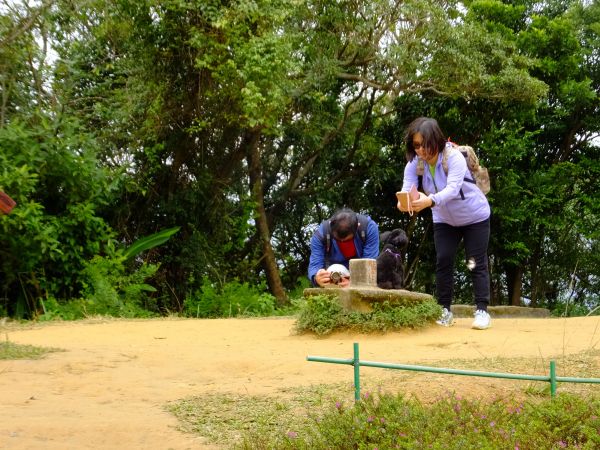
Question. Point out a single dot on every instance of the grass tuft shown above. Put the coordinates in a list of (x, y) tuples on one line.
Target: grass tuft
[(10, 350)]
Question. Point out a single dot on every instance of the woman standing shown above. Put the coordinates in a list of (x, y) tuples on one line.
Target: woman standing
[(460, 212)]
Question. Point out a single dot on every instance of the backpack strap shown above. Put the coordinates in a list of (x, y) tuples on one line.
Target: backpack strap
[(465, 154), (325, 238), (363, 223)]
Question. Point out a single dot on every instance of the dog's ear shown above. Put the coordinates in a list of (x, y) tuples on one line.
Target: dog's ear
[(383, 237)]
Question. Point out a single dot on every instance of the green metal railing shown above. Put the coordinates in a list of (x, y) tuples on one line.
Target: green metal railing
[(356, 362)]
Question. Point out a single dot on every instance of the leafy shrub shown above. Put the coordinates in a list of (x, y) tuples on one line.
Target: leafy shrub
[(322, 314), (570, 310), (50, 167), (68, 310), (231, 300), (390, 421), (110, 289)]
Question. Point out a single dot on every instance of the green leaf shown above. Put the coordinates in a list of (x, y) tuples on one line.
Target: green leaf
[(148, 242)]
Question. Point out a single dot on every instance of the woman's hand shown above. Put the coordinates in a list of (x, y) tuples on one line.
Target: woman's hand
[(422, 203)]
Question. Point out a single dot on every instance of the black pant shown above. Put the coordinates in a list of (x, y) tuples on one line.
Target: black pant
[(476, 237)]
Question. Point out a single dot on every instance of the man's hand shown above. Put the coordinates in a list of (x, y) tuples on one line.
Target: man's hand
[(344, 282), (322, 278)]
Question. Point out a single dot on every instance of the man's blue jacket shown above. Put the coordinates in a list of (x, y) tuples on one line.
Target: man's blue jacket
[(370, 249)]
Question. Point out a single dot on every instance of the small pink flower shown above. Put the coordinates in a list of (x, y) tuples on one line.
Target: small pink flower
[(292, 434)]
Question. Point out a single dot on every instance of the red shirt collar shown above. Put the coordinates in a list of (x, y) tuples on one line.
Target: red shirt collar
[(347, 248)]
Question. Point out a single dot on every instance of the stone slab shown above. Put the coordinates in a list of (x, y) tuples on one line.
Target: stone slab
[(361, 299), (501, 311)]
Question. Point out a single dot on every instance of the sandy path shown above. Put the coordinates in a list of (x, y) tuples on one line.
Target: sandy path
[(109, 388)]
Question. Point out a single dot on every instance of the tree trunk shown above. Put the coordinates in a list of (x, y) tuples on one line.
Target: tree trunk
[(516, 287), (268, 260)]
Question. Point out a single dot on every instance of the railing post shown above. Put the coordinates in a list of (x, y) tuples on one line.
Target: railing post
[(356, 364), (552, 379)]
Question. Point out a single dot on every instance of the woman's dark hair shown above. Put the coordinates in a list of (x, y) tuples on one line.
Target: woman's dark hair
[(343, 223), (433, 137)]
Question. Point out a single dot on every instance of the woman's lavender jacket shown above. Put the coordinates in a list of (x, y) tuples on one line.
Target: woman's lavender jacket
[(450, 207)]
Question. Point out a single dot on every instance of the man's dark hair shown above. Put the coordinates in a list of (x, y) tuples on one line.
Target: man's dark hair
[(343, 223)]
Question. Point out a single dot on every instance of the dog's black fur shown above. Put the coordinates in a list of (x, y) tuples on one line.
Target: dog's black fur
[(390, 262)]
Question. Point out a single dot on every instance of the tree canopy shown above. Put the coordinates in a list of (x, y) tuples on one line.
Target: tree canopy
[(245, 123)]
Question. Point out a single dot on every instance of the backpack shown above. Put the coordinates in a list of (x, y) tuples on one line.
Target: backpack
[(479, 174), (326, 237)]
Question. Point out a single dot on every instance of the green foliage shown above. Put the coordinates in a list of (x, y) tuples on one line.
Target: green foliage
[(148, 115), (109, 289), (391, 421), (148, 242), (72, 309), (322, 314), (231, 300), (544, 196), (51, 170), (571, 309)]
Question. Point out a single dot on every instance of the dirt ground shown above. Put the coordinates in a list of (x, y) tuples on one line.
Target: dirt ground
[(109, 388)]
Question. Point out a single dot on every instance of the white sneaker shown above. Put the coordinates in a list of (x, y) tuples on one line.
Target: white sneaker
[(447, 318), (482, 320)]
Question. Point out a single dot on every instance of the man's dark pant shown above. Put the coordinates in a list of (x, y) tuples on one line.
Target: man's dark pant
[(447, 238)]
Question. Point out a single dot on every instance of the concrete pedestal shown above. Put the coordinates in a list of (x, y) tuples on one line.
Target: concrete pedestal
[(363, 290), (363, 272)]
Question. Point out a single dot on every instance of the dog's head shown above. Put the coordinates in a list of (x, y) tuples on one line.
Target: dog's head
[(396, 238)]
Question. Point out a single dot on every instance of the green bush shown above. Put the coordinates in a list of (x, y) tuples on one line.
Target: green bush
[(109, 289), (390, 421), (570, 310), (231, 300), (68, 310), (322, 314), (50, 168)]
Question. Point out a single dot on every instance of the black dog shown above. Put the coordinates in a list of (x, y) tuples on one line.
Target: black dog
[(390, 266)]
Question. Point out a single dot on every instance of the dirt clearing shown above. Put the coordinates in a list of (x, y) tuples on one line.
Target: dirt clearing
[(109, 387)]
